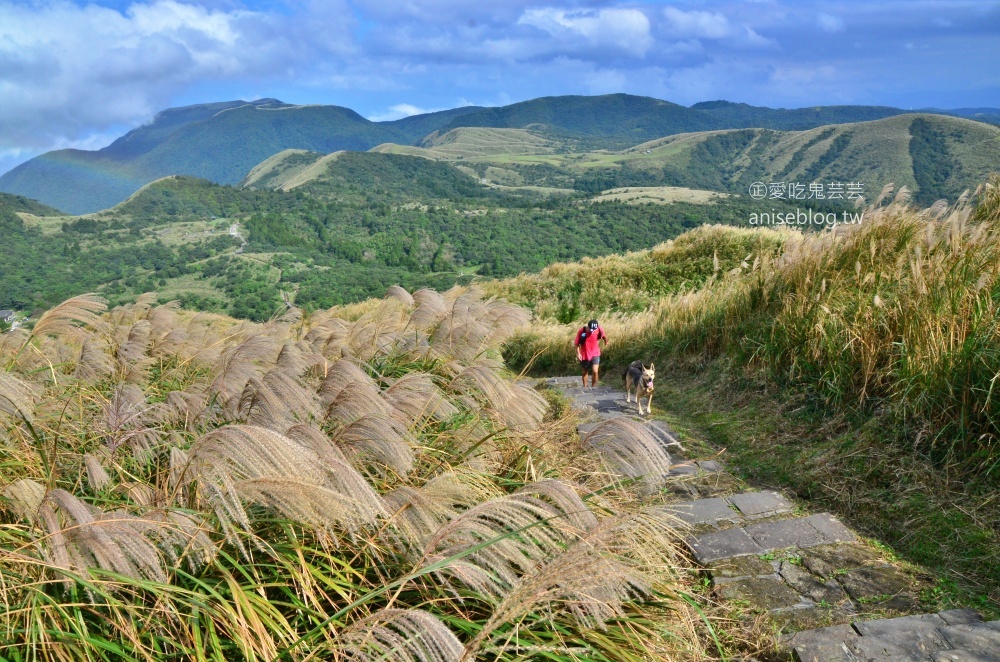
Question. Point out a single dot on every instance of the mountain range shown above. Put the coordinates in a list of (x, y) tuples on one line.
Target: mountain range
[(223, 142)]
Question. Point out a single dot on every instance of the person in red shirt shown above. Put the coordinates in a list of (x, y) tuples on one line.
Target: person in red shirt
[(588, 351)]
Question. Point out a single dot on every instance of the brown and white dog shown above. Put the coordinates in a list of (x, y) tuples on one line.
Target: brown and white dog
[(639, 377)]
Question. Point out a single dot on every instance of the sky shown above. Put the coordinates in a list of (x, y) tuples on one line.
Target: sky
[(78, 74)]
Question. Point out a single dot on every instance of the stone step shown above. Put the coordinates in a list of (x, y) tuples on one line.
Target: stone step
[(957, 635), (732, 509), (764, 537)]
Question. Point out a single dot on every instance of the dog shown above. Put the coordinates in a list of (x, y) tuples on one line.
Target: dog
[(639, 377)]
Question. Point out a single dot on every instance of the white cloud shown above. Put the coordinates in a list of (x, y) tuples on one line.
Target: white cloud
[(697, 24), (68, 72), (622, 29), (399, 111), (831, 24)]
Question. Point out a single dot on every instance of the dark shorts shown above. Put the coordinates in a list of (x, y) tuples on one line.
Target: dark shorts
[(590, 363)]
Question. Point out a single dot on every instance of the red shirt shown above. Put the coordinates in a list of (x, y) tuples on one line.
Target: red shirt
[(588, 343)]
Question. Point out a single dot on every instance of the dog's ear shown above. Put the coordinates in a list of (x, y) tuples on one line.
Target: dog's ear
[(650, 366)]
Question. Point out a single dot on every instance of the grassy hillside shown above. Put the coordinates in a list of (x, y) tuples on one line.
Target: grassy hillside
[(336, 229), (350, 484), (21, 204), (223, 141), (613, 120), (854, 367), (933, 155), (745, 116), (220, 142), (896, 313)]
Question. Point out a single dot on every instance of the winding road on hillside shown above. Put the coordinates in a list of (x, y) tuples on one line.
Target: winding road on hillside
[(832, 596)]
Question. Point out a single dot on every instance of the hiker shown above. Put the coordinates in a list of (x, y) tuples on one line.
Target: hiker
[(588, 351)]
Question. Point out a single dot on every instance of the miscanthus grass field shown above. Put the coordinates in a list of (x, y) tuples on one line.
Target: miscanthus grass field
[(898, 316), (367, 483)]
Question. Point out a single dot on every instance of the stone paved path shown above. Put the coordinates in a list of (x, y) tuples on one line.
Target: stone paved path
[(822, 587)]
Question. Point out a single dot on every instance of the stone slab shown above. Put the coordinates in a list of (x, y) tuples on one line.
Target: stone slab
[(809, 617), (832, 529), (760, 504), (974, 638), (918, 647), (740, 567), (719, 545), (964, 656), (830, 560), (812, 587), (703, 511), (784, 533), (709, 466), (961, 616), (887, 588), (887, 626), (684, 469), (821, 645), (766, 593)]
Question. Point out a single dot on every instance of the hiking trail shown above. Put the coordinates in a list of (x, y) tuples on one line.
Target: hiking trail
[(813, 576)]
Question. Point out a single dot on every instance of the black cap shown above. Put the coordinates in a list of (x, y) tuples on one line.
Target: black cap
[(592, 324)]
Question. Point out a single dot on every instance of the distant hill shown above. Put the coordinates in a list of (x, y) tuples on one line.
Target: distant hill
[(19, 203), (223, 141), (745, 116), (936, 156), (219, 142), (612, 120), (365, 176)]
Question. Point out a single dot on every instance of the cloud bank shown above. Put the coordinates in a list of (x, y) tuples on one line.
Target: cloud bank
[(78, 73)]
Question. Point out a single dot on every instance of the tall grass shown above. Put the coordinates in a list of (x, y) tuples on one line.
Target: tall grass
[(369, 485), (900, 314)]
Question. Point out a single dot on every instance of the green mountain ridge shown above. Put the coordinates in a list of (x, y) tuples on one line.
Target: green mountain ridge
[(223, 141)]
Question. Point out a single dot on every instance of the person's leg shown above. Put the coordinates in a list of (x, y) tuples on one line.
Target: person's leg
[(585, 366), (594, 370)]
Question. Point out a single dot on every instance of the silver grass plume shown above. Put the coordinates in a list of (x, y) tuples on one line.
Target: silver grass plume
[(614, 562), (24, 497), (172, 342), (416, 397), (379, 439), (400, 294), (399, 635), (290, 360), (82, 537), (630, 450), (94, 363), (328, 336), (238, 364), (524, 409), (131, 354), (277, 401), (512, 404), (316, 440), (523, 530), (242, 462), (181, 407), (342, 373), (417, 512), (431, 309), (97, 476), (82, 310), (357, 400), (16, 397), (375, 332), (124, 421), (163, 319)]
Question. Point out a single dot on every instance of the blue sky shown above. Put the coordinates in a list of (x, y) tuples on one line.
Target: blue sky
[(78, 74)]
